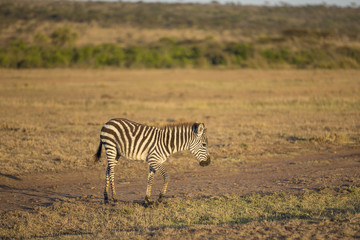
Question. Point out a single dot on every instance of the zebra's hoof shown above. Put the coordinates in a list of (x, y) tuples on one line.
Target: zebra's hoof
[(161, 198), (147, 202), (115, 200), (106, 201), (146, 205)]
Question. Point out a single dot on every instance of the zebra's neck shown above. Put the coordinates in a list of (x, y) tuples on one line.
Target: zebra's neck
[(176, 138)]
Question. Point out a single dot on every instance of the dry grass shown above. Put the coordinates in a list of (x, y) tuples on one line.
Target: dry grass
[(50, 119)]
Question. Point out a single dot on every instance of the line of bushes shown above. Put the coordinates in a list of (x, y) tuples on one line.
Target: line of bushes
[(169, 53)]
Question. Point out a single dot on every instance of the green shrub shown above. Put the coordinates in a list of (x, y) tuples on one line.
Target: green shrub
[(350, 52), (276, 55), (215, 54), (106, 55), (57, 57), (242, 51), (134, 56), (32, 58), (305, 58), (83, 55), (4, 59)]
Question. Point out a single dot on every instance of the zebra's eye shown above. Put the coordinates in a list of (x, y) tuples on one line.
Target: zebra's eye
[(204, 144)]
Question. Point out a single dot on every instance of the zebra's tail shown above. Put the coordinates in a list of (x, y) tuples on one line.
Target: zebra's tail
[(97, 155)]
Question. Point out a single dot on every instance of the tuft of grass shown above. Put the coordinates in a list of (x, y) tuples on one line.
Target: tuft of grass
[(324, 138), (330, 138)]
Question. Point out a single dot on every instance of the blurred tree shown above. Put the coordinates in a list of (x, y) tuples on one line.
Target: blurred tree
[(63, 37)]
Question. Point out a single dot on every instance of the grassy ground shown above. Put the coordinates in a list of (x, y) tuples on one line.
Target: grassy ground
[(310, 215), (50, 122), (248, 113)]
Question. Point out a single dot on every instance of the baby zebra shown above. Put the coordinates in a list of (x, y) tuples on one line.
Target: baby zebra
[(134, 141)]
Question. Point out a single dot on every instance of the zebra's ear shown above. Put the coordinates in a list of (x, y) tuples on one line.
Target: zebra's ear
[(198, 128)]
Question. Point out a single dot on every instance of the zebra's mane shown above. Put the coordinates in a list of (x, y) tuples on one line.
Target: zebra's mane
[(173, 125)]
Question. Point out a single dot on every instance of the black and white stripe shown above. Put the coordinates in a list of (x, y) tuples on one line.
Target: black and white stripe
[(134, 141)]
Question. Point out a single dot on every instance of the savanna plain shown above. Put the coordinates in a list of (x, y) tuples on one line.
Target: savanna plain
[(284, 146)]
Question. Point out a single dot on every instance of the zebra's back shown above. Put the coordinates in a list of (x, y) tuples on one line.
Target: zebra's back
[(132, 140)]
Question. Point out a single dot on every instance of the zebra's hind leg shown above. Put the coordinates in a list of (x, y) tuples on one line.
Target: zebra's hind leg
[(106, 196), (112, 157), (112, 177), (149, 185), (112, 183)]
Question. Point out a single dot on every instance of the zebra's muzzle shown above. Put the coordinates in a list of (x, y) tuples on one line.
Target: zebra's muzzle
[(206, 162)]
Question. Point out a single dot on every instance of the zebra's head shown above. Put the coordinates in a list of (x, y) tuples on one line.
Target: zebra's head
[(198, 145)]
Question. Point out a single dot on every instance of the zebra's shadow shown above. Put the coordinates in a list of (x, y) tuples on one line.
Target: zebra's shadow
[(10, 176), (140, 203)]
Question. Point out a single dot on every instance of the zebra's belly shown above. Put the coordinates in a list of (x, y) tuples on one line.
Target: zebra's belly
[(135, 156)]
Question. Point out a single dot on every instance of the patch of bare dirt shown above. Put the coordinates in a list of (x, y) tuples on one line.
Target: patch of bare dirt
[(307, 172)]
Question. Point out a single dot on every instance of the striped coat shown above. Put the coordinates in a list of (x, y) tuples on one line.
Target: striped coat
[(134, 141)]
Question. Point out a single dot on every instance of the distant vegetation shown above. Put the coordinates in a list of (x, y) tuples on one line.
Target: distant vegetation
[(251, 19), (170, 53), (277, 37)]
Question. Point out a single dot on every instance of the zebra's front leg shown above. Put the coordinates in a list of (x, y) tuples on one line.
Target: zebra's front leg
[(149, 185), (163, 173)]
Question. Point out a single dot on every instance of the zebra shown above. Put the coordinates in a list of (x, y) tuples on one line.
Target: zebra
[(134, 141)]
